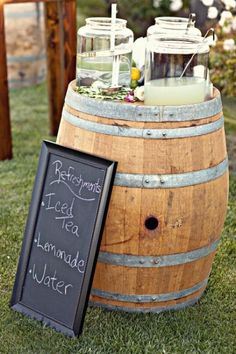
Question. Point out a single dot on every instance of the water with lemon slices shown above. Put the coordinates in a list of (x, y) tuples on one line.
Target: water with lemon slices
[(99, 68)]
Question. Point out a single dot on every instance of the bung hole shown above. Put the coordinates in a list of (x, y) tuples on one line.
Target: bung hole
[(151, 223)]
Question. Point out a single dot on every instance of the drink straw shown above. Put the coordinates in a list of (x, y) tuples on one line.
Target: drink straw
[(116, 59), (113, 23), (198, 47)]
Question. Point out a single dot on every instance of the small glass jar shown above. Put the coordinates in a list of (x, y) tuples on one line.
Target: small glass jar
[(94, 56), (177, 25), (176, 70)]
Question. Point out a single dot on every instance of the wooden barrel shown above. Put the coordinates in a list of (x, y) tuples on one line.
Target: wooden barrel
[(168, 202), (26, 59)]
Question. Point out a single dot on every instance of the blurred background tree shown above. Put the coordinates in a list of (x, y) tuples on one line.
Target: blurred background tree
[(91, 8)]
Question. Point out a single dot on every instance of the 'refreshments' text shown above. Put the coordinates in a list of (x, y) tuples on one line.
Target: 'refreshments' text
[(68, 177)]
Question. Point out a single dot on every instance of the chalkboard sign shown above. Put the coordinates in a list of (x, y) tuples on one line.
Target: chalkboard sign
[(62, 237)]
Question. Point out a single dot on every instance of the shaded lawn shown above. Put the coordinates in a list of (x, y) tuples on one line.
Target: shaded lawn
[(207, 327)]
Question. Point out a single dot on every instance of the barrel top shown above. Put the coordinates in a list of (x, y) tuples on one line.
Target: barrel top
[(139, 112)]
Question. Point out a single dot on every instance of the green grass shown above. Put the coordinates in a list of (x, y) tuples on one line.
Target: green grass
[(230, 113), (207, 327)]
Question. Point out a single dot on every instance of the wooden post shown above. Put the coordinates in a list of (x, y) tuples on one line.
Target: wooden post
[(55, 62), (60, 19), (70, 39), (5, 126)]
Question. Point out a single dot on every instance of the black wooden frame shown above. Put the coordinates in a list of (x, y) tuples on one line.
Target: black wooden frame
[(110, 168)]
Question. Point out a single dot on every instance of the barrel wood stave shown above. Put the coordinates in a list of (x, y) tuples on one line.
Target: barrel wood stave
[(148, 307), (154, 155), (155, 280), (132, 124), (180, 221), (172, 170)]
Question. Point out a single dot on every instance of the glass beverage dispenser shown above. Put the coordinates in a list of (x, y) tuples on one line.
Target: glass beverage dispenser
[(95, 59), (176, 25), (176, 70)]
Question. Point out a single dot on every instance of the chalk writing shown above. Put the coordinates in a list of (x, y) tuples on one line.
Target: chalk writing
[(58, 206), (72, 181), (64, 211), (73, 262), (62, 237), (52, 282), (69, 226)]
